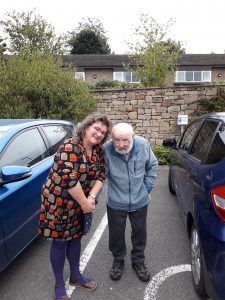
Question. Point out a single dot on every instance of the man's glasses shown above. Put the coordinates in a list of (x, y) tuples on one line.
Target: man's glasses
[(98, 130)]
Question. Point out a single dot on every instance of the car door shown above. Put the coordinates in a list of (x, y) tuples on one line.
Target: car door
[(20, 201), (204, 151), (200, 173), (3, 258), (195, 170), (180, 161)]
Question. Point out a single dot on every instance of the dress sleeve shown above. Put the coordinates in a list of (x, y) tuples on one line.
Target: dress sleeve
[(101, 175), (68, 157)]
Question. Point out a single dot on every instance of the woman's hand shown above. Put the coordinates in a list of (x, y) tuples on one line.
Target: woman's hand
[(88, 205)]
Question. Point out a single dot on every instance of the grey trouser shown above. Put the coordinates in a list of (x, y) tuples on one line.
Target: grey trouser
[(117, 226)]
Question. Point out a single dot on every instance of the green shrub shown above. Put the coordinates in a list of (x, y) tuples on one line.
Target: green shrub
[(34, 85), (162, 154), (213, 104), (106, 84), (113, 84)]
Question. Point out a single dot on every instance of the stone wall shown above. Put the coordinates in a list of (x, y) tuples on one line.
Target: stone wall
[(153, 111)]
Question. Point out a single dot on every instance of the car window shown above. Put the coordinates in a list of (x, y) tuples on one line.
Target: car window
[(203, 140), (26, 149), (188, 136), (217, 150), (2, 133), (56, 134)]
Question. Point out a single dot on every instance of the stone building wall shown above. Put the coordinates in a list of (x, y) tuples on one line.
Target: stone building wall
[(93, 75), (153, 111)]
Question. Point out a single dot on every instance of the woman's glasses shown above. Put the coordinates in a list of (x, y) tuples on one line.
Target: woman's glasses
[(98, 130)]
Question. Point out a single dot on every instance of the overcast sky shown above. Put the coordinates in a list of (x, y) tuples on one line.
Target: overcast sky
[(200, 24)]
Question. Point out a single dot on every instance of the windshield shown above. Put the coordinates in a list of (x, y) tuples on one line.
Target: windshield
[(4, 130), (2, 133)]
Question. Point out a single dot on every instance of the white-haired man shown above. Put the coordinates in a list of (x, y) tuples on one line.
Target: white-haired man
[(131, 168)]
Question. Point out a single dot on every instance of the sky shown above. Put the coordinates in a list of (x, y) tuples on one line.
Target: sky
[(199, 24)]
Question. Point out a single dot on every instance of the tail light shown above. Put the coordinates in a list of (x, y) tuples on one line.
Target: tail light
[(218, 196)]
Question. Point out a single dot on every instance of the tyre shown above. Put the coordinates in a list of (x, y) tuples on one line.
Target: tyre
[(170, 183), (197, 264)]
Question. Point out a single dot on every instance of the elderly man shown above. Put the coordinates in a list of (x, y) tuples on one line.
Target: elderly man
[(131, 172)]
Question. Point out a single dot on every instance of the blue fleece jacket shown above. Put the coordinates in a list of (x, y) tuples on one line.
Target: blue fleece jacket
[(129, 181)]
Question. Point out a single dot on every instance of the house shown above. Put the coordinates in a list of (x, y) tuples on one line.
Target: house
[(96, 67), (191, 68), (195, 68)]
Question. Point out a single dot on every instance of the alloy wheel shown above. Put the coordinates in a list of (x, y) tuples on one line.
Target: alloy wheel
[(195, 256)]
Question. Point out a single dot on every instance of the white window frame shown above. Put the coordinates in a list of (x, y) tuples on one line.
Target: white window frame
[(183, 74), (122, 76), (80, 75)]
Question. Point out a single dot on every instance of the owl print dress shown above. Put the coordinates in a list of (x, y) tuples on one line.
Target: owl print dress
[(61, 216)]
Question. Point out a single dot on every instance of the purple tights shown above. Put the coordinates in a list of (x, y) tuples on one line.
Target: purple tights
[(58, 253)]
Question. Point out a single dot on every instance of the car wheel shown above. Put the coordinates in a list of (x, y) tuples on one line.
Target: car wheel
[(196, 264), (170, 183)]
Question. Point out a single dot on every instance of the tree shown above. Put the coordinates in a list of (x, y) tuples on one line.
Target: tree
[(2, 47), (33, 85), (174, 46), (88, 38), (26, 30), (155, 53), (32, 82)]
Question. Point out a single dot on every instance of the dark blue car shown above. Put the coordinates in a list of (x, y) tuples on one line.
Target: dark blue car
[(197, 177), (26, 155)]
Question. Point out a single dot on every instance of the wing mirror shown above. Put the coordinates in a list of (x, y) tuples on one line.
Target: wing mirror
[(170, 143), (14, 173)]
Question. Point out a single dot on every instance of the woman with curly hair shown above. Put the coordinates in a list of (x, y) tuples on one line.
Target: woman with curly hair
[(68, 194)]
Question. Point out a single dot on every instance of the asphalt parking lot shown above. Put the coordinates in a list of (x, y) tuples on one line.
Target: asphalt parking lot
[(167, 257)]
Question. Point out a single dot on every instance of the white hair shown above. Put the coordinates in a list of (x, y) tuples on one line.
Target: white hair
[(123, 128)]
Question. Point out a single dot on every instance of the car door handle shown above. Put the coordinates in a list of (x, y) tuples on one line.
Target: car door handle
[(209, 177)]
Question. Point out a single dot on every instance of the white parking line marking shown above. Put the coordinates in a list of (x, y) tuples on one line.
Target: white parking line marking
[(88, 251), (153, 286)]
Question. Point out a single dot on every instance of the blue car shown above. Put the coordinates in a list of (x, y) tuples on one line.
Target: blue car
[(26, 156), (197, 177)]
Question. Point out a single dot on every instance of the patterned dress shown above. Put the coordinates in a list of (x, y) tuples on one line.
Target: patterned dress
[(61, 217)]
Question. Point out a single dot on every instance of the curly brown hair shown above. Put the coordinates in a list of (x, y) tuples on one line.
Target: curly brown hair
[(90, 120)]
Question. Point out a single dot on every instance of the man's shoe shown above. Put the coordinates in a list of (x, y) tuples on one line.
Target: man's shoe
[(116, 270), (141, 271)]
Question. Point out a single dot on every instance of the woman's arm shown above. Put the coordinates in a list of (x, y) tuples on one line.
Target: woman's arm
[(100, 178), (96, 189), (87, 204)]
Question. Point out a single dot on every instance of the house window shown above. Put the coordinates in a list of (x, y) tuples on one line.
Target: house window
[(130, 77), (180, 76), (206, 75), (118, 76), (193, 76), (80, 75)]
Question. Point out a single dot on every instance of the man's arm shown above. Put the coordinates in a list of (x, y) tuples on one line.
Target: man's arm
[(150, 170)]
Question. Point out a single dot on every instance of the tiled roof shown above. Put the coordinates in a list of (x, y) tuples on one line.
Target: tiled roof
[(97, 60), (217, 60), (117, 60)]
